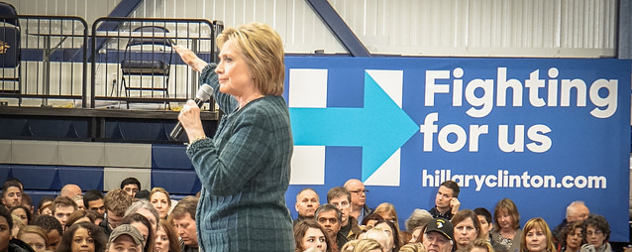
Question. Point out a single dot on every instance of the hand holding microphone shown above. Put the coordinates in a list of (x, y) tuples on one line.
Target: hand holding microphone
[(203, 94)]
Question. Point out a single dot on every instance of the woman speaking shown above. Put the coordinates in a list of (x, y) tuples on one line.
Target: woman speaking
[(245, 167)]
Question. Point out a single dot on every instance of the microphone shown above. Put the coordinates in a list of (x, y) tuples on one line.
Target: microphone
[(203, 94)]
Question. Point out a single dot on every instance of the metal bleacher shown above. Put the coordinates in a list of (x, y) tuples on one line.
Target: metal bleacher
[(72, 122)]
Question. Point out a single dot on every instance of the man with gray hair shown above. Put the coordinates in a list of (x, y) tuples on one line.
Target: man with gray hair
[(417, 221), (307, 201), (575, 211)]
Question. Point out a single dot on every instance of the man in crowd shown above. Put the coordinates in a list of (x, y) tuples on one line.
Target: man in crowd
[(328, 217), (125, 238), (438, 236), (359, 209), (575, 211), (340, 198), (183, 219), (131, 186), (28, 202), (11, 194), (93, 200), (307, 201), (62, 208), (446, 202), (115, 202), (53, 230), (485, 221), (70, 190)]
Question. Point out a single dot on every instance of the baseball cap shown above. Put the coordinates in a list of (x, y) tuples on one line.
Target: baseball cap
[(441, 226), (126, 229)]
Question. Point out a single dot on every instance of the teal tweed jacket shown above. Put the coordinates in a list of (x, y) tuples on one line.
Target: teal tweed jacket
[(245, 171)]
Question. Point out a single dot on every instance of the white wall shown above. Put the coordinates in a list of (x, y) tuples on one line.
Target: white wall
[(516, 28)]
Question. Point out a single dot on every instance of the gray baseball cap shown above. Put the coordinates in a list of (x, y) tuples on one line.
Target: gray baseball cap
[(127, 229)]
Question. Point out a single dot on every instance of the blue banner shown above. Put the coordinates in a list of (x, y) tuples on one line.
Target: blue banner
[(542, 132)]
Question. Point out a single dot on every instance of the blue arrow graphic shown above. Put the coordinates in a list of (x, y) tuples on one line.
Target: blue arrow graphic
[(380, 128)]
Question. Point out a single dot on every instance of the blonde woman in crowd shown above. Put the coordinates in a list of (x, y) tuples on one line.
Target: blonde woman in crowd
[(481, 245), (159, 198), (35, 237), (414, 247), (364, 245), (536, 237), (387, 212)]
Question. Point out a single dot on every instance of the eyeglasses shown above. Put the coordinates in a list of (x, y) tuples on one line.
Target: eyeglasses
[(359, 191), (342, 204), (597, 233)]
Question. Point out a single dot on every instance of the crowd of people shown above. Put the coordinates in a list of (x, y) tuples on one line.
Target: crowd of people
[(131, 219), (123, 219), (346, 224)]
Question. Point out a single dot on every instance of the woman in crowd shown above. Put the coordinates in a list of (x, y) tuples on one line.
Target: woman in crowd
[(596, 231), (390, 229), (364, 245), (159, 197), (414, 247), (466, 228), (145, 208), (166, 238), (536, 237), (23, 212), (83, 236), (34, 236), (45, 206), (507, 230), (79, 216), (481, 245), (309, 234), (143, 225), (416, 234), (571, 237), (245, 167), (369, 221), (387, 212), (17, 225)]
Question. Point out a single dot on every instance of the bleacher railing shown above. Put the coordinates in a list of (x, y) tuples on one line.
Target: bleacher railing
[(53, 62), (133, 61)]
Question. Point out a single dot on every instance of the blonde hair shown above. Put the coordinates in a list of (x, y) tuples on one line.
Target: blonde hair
[(389, 209), (263, 49), (32, 229), (17, 222), (161, 190), (414, 247), (512, 210), (367, 245), (482, 243), (536, 223)]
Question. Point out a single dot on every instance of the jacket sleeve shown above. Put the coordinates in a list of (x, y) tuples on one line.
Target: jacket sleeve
[(246, 151)]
